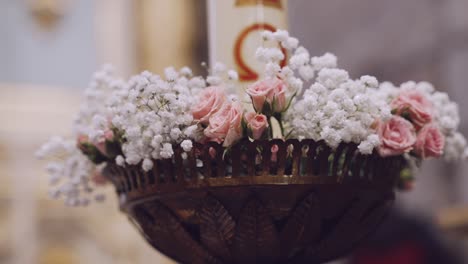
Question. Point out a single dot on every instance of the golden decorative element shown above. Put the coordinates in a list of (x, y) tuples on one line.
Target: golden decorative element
[(47, 13), (308, 205), (247, 74), (270, 3)]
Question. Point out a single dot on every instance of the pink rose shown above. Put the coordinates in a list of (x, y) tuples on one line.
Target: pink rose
[(397, 136), (274, 153), (101, 143), (414, 104), (210, 101), (279, 103), (212, 152), (82, 141), (430, 142), (226, 124), (256, 123), (271, 91)]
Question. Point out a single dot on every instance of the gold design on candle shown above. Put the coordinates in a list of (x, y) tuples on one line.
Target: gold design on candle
[(246, 73), (270, 3)]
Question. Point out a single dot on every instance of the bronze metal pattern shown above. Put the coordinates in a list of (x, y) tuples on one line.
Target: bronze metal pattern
[(310, 204)]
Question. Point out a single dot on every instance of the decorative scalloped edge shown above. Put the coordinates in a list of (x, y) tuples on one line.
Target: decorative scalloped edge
[(250, 163)]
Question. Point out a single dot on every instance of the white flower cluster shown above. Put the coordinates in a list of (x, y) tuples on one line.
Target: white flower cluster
[(272, 57), (153, 113), (91, 119), (446, 114), (69, 172), (146, 115), (220, 75), (335, 108)]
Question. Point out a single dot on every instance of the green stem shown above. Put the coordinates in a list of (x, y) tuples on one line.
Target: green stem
[(270, 128), (278, 118)]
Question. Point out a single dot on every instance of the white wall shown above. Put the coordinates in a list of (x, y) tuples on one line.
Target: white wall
[(65, 56)]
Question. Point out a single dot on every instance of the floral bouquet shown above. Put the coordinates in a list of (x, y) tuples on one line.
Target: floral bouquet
[(138, 121), (134, 126)]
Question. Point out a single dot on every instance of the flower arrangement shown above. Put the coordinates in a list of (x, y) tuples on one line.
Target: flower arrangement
[(138, 121)]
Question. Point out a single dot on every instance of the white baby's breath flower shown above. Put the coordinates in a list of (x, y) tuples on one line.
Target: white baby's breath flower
[(219, 68), (290, 43), (267, 35), (332, 78), (455, 147), (295, 85), (266, 55), (261, 54), (147, 164), (368, 145), (272, 69), (167, 151), (233, 75), (186, 72), (370, 81), (69, 171), (119, 160), (158, 115), (336, 108), (190, 131), (307, 72), (214, 80), (175, 133), (171, 74), (327, 60), (274, 54), (299, 60), (186, 145), (286, 72), (281, 35)]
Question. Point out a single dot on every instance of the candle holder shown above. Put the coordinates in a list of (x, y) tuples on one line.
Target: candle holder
[(308, 205)]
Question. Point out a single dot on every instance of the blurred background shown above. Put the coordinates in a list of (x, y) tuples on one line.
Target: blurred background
[(50, 48)]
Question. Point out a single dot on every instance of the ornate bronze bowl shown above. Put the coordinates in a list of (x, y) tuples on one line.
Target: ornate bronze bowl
[(309, 204)]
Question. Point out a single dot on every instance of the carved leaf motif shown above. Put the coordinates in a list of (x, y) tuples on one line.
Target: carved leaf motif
[(256, 239), (373, 218), (303, 227), (343, 236), (216, 227), (164, 232)]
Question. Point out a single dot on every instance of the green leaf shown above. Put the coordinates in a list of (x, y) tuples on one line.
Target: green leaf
[(244, 127), (289, 134), (93, 154), (273, 105), (113, 149), (266, 109), (290, 101), (406, 115), (118, 135)]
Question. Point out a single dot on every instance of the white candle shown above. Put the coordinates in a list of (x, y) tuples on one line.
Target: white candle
[(234, 28)]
